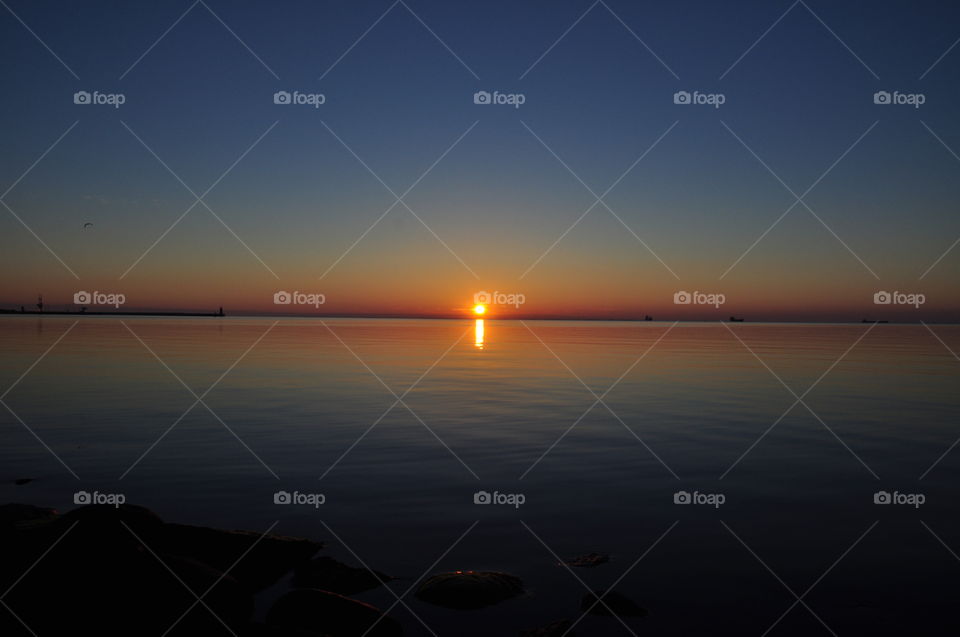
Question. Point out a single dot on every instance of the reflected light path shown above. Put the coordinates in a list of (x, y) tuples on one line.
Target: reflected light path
[(478, 334)]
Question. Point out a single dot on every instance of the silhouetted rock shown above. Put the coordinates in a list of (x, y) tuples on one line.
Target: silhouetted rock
[(329, 613), (18, 517), (613, 604), (22, 481), (556, 629), (122, 570), (328, 574), (270, 559), (589, 560), (469, 589), (82, 586)]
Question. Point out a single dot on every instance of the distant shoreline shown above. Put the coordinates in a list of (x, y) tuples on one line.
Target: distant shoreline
[(85, 313), (9, 312)]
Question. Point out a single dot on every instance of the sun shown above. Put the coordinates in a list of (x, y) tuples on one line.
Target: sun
[(479, 309)]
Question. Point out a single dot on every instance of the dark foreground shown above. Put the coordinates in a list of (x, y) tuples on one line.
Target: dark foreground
[(107, 570)]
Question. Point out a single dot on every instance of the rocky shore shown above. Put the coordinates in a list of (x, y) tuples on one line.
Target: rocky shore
[(109, 570)]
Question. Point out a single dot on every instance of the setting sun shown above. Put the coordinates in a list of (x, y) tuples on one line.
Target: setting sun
[(479, 309)]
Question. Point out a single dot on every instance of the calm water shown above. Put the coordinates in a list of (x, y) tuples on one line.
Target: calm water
[(482, 416)]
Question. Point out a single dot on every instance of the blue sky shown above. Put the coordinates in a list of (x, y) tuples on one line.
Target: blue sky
[(799, 99)]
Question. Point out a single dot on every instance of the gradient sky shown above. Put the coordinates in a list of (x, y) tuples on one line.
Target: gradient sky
[(499, 199)]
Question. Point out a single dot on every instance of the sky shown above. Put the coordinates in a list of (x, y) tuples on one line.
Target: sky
[(797, 198)]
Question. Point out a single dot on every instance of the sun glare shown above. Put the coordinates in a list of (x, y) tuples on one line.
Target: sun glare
[(479, 309)]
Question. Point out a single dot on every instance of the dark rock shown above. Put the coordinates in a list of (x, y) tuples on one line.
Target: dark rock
[(469, 589), (556, 629), (17, 517), (113, 588), (589, 560), (121, 570), (328, 574), (612, 601), (271, 558), (22, 481), (329, 613)]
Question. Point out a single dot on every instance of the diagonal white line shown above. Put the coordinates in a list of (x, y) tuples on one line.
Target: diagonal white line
[(799, 400), (762, 35), (560, 360), (939, 59), (162, 36), (20, 178), (598, 199), (362, 36), (37, 237), (839, 39), (39, 39), (238, 39), (399, 198), (37, 362), (441, 441), (940, 258), (599, 400), (577, 577), (433, 33), (799, 199), (942, 543), (177, 577), (947, 347), (800, 599), (360, 360), (220, 578), (200, 401), (40, 440), (957, 441), (638, 39), (954, 244), (39, 159), (562, 36), (399, 401), (559, 159), (37, 561), (619, 579), (17, 617), (399, 598), (199, 199)]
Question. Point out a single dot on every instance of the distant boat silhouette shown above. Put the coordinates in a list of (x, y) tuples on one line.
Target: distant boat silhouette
[(734, 319), (647, 318)]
